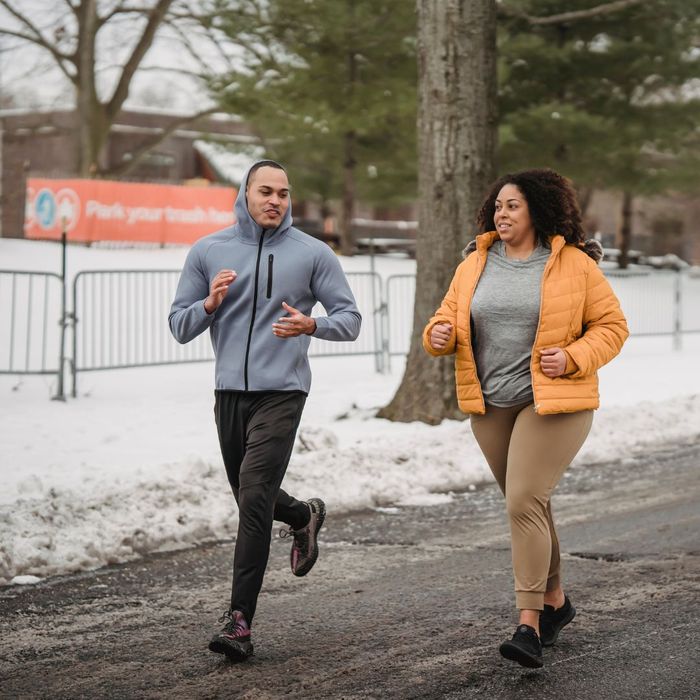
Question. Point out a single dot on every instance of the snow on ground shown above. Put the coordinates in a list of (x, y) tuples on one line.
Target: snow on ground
[(133, 466)]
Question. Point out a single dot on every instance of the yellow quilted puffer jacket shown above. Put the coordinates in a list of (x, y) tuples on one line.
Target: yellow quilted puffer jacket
[(579, 312)]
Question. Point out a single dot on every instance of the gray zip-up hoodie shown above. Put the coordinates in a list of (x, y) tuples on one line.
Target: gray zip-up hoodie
[(273, 265)]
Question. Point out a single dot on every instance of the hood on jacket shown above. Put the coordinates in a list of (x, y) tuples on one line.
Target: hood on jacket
[(592, 248), (245, 223)]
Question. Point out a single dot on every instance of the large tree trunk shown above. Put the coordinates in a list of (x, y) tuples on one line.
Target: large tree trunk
[(625, 230), (90, 111), (86, 98), (95, 117), (456, 146)]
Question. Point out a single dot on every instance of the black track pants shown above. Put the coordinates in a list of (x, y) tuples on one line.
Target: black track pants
[(256, 434)]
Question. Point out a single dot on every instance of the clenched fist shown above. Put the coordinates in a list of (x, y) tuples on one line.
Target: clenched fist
[(553, 362), (440, 335)]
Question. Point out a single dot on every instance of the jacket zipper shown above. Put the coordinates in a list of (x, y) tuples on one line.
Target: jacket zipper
[(270, 260), (533, 359), (255, 305), (481, 264)]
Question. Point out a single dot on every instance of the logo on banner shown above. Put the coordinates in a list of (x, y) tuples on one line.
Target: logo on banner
[(50, 210), (45, 209)]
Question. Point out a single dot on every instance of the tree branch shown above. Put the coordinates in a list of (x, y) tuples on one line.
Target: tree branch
[(38, 39), (162, 69), (203, 17), (120, 10), (150, 144), (573, 16), (225, 58), (72, 7), (121, 92), (187, 44), (267, 59)]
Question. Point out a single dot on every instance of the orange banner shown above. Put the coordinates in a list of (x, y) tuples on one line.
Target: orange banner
[(104, 210)]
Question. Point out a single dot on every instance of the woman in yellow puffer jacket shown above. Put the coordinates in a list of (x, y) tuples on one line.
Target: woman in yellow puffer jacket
[(531, 318)]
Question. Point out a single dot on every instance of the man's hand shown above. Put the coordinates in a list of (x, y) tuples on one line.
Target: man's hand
[(217, 290), (440, 335), (553, 362), (294, 324)]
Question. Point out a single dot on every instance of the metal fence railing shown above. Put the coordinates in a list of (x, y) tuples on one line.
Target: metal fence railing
[(119, 318), (689, 303), (650, 309), (658, 303), (400, 295), (30, 319), (120, 321), (367, 290)]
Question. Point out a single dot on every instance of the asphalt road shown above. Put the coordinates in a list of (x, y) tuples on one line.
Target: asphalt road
[(411, 604)]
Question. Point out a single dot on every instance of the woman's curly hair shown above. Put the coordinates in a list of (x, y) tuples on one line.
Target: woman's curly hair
[(551, 200)]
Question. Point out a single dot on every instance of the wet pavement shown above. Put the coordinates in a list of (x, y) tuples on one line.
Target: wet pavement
[(407, 603)]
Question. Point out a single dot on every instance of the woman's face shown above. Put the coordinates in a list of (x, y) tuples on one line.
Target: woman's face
[(512, 217)]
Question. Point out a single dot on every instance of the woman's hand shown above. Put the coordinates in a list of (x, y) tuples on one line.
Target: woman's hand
[(553, 362), (440, 335)]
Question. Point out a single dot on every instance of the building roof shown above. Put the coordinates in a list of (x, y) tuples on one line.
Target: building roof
[(228, 162)]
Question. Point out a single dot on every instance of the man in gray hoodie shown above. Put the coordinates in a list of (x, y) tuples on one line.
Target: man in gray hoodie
[(253, 285)]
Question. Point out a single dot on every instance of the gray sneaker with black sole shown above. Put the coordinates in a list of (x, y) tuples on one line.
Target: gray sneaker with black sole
[(304, 551)]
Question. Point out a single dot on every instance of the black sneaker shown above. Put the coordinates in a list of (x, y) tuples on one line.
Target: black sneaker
[(553, 621), (305, 546), (525, 647), (234, 638)]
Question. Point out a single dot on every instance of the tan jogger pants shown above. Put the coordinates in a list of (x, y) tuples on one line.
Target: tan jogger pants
[(528, 454)]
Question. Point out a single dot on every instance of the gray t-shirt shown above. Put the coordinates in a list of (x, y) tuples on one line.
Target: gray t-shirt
[(504, 314)]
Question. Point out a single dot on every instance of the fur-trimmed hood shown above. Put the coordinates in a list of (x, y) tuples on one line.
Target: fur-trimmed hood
[(592, 248)]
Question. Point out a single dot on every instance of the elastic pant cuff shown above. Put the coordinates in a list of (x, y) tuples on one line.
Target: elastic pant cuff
[(529, 600)]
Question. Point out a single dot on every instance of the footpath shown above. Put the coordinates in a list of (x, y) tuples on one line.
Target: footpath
[(404, 603)]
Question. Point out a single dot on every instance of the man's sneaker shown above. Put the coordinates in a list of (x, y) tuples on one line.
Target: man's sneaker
[(553, 621), (234, 638), (305, 546), (525, 647)]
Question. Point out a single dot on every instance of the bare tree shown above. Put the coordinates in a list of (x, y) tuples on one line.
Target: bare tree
[(457, 124), (71, 35)]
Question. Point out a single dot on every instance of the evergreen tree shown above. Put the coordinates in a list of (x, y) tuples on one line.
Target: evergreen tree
[(330, 88), (606, 100)]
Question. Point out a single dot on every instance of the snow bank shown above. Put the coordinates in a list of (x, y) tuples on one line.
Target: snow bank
[(57, 530)]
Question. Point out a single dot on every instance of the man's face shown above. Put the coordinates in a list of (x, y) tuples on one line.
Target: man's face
[(268, 196)]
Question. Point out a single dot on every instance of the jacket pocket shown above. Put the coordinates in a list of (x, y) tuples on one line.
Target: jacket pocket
[(270, 261)]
